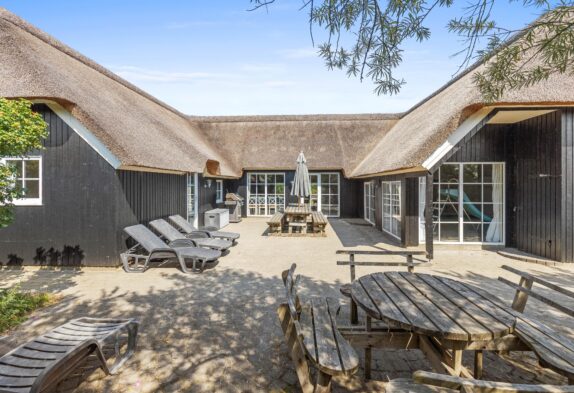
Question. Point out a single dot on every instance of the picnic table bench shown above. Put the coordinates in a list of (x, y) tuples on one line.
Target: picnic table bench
[(319, 222), (313, 338), (275, 222), (42, 364), (554, 349), (426, 382)]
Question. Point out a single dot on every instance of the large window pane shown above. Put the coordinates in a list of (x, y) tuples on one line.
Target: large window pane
[(392, 207)]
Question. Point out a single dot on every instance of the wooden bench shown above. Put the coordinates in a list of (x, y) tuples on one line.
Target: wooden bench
[(313, 338), (319, 222), (426, 382), (554, 349), (43, 363), (275, 223), (352, 263)]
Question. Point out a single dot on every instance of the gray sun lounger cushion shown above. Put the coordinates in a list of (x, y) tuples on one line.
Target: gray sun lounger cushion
[(41, 364), (188, 228), (172, 234), (181, 249)]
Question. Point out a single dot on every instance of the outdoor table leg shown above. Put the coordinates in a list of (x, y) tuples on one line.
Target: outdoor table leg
[(354, 313), (368, 353), (457, 361), (478, 357)]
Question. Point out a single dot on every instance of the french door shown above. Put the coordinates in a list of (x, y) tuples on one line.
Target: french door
[(265, 193), (369, 201), (325, 193)]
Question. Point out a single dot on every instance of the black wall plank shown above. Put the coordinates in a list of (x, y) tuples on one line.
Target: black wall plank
[(76, 223), (350, 202), (567, 186)]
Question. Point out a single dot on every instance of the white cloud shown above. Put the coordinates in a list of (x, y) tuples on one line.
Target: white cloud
[(278, 83), (262, 67)]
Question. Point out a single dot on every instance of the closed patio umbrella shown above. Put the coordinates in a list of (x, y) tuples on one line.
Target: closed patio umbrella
[(301, 183)]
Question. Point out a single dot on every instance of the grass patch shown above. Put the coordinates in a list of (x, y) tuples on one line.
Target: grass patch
[(16, 305)]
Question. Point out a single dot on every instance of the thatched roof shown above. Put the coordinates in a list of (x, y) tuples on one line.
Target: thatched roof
[(274, 142), (427, 125), (143, 132), (138, 129)]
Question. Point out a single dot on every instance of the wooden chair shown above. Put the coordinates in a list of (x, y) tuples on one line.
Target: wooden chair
[(312, 338), (554, 349), (352, 263), (426, 382), (43, 363)]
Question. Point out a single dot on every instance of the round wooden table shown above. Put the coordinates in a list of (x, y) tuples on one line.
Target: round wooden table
[(457, 314)]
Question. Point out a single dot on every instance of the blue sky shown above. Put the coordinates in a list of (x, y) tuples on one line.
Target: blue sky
[(212, 57)]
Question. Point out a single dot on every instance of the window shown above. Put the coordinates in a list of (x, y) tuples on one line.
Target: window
[(325, 193), (392, 208), (191, 197), (28, 179), (265, 193), (468, 203), (369, 196), (219, 191)]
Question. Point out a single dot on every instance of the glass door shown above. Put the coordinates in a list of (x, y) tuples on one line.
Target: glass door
[(265, 193), (468, 203), (325, 188), (369, 201)]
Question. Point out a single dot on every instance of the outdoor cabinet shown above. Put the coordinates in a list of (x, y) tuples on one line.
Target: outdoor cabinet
[(217, 218)]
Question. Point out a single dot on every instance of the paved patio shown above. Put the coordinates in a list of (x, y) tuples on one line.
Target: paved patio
[(218, 332)]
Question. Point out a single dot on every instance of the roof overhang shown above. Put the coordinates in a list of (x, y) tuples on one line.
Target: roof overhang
[(495, 114)]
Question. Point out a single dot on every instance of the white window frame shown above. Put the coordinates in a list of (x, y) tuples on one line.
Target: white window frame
[(196, 198), (29, 201), (460, 204), (367, 199), (320, 193), (248, 185), (422, 207), (390, 183), (219, 191)]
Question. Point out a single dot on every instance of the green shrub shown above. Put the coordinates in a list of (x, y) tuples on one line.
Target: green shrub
[(16, 305)]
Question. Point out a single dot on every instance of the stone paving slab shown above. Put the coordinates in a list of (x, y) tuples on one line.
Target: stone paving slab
[(218, 331)]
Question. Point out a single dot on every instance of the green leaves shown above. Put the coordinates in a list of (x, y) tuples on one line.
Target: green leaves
[(21, 131), (366, 38)]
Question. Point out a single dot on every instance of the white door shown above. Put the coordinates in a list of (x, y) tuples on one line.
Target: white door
[(265, 193)]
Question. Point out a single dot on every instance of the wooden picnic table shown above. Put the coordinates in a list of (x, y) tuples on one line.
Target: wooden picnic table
[(298, 212), (447, 316)]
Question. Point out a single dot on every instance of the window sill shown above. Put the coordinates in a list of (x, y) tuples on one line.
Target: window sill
[(27, 203)]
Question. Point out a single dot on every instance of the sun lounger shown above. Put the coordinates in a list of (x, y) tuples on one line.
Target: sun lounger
[(155, 249), (45, 362), (187, 228), (202, 240)]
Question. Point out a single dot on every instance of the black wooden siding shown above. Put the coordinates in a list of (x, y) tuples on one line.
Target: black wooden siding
[(530, 148), (85, 205), (350, 202), (76, 223), (150, 196), (567, 186)]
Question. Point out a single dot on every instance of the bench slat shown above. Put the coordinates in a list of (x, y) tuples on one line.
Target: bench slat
[(373, 263), (380, 252), (555, 350), (26, 362), (12, 382), (327, 353)]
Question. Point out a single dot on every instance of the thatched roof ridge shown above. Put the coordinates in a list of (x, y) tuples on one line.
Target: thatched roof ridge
[(273, 142), (298, 118), (138, 129)]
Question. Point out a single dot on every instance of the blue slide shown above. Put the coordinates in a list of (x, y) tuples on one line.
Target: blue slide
[(469, 207)]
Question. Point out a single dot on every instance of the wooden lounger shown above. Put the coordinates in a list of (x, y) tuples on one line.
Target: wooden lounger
[(41, 364)]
